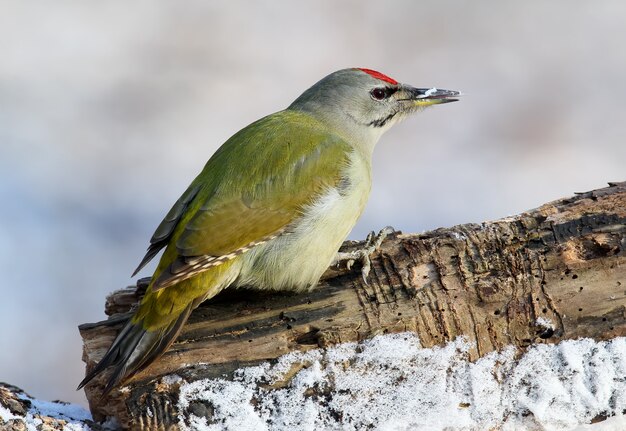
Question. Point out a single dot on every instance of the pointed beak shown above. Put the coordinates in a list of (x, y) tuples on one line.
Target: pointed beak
[(422, 97)]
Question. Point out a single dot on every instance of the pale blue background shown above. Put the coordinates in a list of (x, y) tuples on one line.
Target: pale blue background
[(109, 109)]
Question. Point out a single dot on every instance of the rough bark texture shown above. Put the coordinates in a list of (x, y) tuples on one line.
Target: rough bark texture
[(557, 272)]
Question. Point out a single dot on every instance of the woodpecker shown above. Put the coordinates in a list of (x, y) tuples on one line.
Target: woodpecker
[(269, 210)]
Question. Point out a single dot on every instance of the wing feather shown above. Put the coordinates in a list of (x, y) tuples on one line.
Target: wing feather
[(233, 205), (165, 230)]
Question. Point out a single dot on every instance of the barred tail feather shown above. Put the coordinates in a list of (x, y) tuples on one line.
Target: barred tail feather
[(134, 349)]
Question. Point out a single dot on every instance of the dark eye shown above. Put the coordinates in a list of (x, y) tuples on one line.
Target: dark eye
[(379, 93)]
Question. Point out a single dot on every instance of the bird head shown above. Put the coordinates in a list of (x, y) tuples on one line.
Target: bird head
[(364, 103)]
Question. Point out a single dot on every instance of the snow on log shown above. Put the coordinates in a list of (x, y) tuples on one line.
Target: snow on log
[(550, 274), (20, 412)]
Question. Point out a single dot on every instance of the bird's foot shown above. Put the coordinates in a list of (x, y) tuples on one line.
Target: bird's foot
[(372, 244)]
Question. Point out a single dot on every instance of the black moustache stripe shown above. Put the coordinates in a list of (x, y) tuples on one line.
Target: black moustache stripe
[(382, 121)]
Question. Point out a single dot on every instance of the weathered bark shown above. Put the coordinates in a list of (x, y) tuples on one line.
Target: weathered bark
[(553, 273)]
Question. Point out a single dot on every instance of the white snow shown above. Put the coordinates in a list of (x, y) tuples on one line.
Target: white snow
[(545, 323), (391, 383), (615, 423), (459, 236), (72, 414), (6, 415), (172, 379), (57, 410)]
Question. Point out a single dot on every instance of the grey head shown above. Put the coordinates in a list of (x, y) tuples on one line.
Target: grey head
[(363, 103)]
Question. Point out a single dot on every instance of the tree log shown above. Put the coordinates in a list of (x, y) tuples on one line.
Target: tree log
[(553, 273)]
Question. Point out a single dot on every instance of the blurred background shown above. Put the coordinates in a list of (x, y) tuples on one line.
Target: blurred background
[(109, 109)]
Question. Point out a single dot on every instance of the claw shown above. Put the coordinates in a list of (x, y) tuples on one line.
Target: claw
[(365, 270), (372, 244)]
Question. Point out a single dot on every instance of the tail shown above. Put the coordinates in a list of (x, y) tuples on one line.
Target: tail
[(134, 349)]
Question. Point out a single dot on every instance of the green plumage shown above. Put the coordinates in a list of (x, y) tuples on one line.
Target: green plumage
[(238, 203), (294, 156)]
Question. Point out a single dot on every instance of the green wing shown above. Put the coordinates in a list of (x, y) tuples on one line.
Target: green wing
[(250, 191)]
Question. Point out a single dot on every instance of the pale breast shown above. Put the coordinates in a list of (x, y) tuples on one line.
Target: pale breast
[(296, 261)]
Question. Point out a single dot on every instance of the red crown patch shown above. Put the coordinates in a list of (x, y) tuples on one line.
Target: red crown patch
[(379, 75)]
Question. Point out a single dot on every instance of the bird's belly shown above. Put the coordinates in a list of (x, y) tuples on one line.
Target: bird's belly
[(296, 260)]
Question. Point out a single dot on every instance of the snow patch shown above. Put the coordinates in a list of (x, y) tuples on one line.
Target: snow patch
[(172, 379), (544, 323), (459, 236), (391, 383), (57, 410), (70, 416), (6, 415)]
